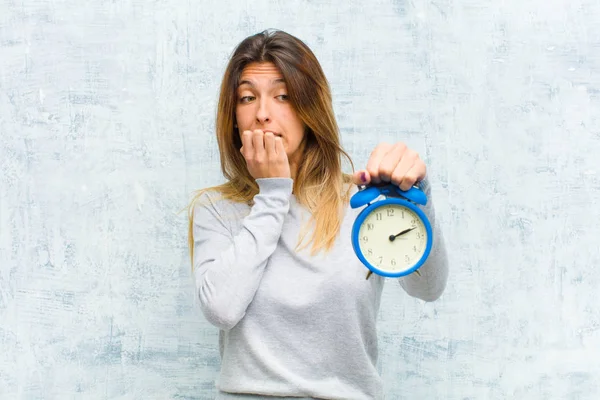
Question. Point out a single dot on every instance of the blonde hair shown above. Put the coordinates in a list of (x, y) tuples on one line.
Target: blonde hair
[(319, 185)]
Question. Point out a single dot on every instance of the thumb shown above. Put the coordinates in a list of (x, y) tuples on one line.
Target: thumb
[(361, 177)]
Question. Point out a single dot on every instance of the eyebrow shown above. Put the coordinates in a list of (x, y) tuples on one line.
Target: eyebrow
[(273, 82)]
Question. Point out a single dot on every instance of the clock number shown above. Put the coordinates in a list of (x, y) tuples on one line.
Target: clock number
[(370, 252), (415, 249), (380, 260), (393, 262), (370, 227), (365, 238), (390, 212), (406, 258), (378, 216)]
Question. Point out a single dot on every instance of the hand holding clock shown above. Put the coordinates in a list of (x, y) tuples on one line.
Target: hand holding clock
[(382, 221), (395, 163)]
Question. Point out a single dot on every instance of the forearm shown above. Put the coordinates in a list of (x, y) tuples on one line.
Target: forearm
[(228, 271), (431, 282)]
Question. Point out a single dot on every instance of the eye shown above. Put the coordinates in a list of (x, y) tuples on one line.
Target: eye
[(283, 97), (246, 99)]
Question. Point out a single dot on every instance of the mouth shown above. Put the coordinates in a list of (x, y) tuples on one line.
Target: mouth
[(275, 134)]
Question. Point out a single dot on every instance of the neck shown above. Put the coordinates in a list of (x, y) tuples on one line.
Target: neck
[(296, 158), (293, 170)]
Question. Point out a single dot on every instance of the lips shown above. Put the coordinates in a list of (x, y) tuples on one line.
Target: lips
[(274, 133)]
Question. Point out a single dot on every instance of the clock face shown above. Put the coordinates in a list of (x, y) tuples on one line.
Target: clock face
[(392, 238)]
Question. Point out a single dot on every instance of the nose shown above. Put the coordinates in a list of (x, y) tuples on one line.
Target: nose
[(263, 115)]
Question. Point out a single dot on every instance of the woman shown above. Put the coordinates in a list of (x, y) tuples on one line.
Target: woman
[(271, 249)]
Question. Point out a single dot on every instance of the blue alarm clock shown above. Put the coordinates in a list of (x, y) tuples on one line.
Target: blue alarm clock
[(392, 236)]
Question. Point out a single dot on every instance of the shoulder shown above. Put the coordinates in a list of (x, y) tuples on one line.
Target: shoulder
[(212, 203), (208, 197)]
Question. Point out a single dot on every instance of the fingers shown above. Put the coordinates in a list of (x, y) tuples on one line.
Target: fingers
[(413, 176), (269, 139), (392, 163), (383, 161), (274, 147), (256, 144), (410, 169), (361, 177), (265, 154), (259, 145), (279, 149), (375, 159), (247, 147)]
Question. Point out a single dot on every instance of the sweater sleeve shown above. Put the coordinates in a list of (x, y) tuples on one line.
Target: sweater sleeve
[(228, 266), (434, 272)]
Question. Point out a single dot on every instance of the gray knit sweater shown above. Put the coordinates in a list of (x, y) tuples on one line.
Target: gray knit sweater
[(292, 324)]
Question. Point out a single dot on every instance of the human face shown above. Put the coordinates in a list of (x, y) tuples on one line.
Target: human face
[(263, 103)]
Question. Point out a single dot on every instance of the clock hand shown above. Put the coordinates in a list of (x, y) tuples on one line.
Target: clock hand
[(393, 237)]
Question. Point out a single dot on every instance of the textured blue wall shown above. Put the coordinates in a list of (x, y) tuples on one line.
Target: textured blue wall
[(106, 123)]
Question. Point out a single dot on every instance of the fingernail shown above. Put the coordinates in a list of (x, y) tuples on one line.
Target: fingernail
[(363, 177)]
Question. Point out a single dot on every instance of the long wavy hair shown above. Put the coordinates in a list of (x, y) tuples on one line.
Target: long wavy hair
[(320, 184)]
